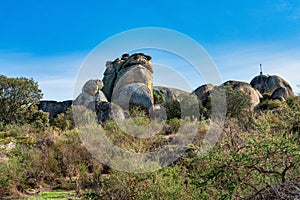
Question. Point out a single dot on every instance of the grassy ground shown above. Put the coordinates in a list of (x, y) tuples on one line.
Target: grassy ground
[(56, 194)]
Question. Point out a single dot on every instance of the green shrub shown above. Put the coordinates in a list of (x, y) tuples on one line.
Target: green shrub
[(173, 109), (238, 103), (243, 164), (64, 121), (137, 111), (159, 97), (269, 105), (173, 126), (39, 119), (167, 183), (293, 103)]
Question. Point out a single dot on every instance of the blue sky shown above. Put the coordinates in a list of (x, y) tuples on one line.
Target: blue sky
[(49, 40)]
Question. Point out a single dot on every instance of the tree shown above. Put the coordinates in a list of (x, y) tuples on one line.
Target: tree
[(238, 103), (173, 109), (18, 98)]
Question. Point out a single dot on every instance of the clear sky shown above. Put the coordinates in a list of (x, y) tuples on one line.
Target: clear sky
[(48, 40)]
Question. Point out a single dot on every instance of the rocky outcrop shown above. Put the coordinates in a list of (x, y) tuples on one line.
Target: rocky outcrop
[(274, 85), (203, 92), (170, 93), (108, 111), (54, 108), (128, 81), (91, 92), (254, 94), (280, 94)]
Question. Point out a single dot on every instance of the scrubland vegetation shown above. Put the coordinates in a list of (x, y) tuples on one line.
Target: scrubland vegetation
[(256, 157)]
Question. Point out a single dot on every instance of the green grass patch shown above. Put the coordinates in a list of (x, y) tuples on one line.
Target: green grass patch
[(57, 194)]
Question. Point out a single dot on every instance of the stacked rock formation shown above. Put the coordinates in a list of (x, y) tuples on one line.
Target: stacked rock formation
[(128, 81), (91, 92), (274, 85)]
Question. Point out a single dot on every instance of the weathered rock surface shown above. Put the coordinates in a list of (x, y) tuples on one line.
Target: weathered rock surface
[(128, 81), (133, 94), (108, 111), (170, 93), (92, 86), (203, 92), (254, 94), (54, 108), (270, 84), (91, 92), (281, 94), (158, 113), (109, 79)]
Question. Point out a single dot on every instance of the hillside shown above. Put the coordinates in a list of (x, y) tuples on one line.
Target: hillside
[(123, 138)]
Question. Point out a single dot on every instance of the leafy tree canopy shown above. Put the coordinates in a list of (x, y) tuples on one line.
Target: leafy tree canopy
[(18, 99)]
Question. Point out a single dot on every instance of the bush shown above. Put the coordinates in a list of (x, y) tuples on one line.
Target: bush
[(173, 109), (39, 119), (269, 104), (242, 164), (238, 103), (159, 97), (64, 121)]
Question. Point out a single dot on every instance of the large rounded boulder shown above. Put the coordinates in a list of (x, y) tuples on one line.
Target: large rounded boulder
[(91, 92), (246, 88), (128, 81), (169, 93), (274, 85), (203, 92)]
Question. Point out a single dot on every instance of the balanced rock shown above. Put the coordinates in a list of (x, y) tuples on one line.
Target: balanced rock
[(92, 86), (274, 85), (128, 81), (91, 92)]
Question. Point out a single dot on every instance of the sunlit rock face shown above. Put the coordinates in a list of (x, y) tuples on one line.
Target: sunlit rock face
[(170, 93), (246, 88), (128, 81), (91, 92), (203, 92), (274, 85)]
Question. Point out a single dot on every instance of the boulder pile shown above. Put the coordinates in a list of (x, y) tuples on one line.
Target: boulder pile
[(128, 82)]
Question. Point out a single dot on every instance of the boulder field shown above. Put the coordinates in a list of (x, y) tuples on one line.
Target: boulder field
[(127, 82)]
